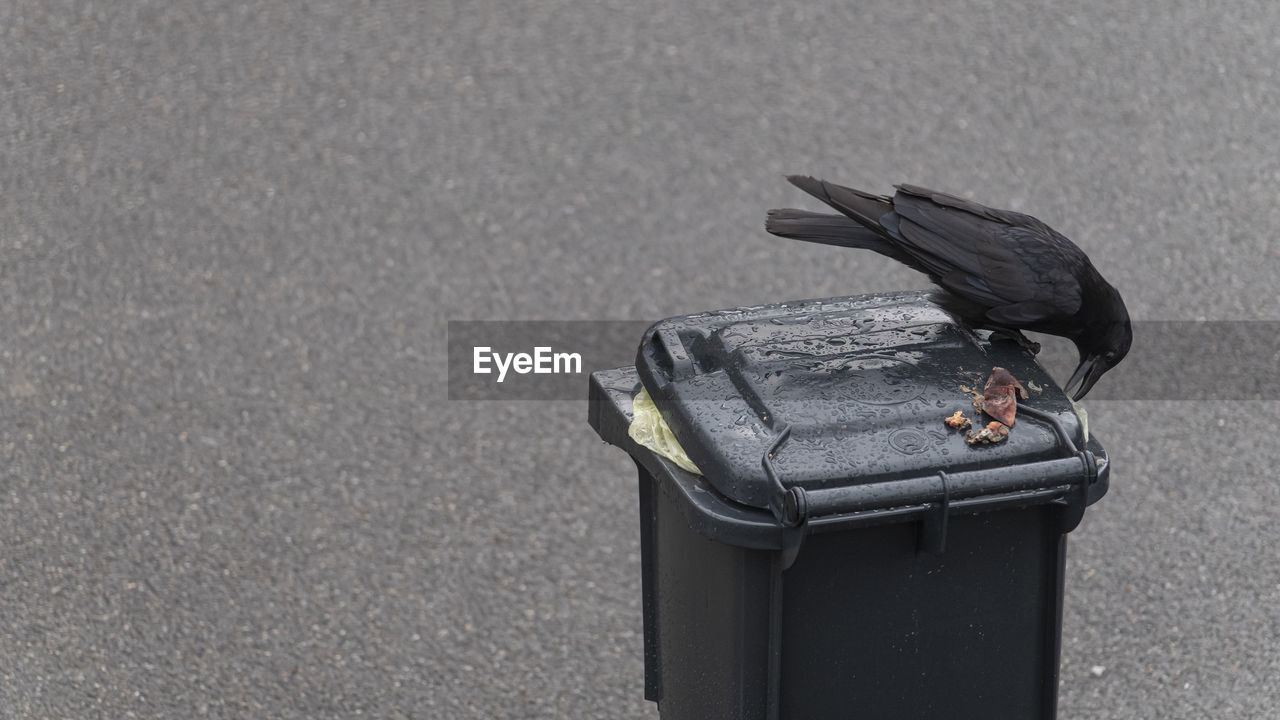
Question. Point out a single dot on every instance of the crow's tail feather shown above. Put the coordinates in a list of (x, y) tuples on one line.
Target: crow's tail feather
[(864, 207), (823, 228), (836, 230)]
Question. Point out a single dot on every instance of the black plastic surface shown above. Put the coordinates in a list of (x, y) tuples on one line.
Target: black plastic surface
[(719, 518), (863, 384)]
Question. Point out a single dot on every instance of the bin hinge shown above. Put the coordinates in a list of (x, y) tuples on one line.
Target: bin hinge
[(788, 505), (933, 526), (1078, 497)]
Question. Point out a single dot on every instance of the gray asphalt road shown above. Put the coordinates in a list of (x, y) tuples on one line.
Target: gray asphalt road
[(231, 236)]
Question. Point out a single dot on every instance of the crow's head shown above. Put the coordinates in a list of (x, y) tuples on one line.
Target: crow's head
[(1102, 345)]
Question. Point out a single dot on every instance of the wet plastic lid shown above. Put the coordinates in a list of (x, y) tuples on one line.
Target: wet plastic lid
[(848, 391)]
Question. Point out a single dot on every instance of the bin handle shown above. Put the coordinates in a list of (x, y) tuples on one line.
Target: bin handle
[(961, 485), (794, 506), (673, 348)]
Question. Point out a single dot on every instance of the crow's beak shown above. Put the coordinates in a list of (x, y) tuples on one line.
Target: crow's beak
[(1090, 369)]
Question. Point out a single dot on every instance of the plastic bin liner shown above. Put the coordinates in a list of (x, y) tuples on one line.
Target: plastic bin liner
[(650, 430)]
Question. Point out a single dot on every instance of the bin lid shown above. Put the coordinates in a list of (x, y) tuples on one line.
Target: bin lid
[(860, 387)]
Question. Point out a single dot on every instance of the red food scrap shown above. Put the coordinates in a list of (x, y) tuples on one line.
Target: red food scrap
[(1000, 394)]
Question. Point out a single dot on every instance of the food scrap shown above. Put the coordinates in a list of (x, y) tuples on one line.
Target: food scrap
[(999, 399), (994, 432), (999, 396)]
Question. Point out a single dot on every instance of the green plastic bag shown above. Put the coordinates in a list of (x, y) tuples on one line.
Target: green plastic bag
[(650, 430)]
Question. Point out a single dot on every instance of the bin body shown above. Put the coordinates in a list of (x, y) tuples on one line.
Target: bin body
[(920, 587)]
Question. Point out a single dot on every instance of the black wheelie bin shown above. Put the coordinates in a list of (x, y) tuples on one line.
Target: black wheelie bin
[(843, 553)]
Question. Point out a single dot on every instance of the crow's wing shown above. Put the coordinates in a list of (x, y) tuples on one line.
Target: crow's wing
[(1012, 263)]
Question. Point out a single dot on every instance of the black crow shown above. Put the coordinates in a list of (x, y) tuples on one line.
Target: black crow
[(999, 270)]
